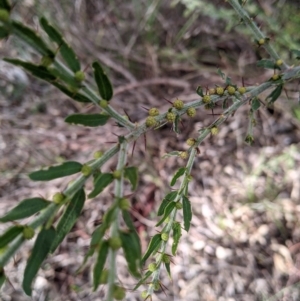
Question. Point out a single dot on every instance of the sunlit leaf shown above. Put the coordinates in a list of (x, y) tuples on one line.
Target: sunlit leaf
[(25, 209), (152, 247), (167, 199), (69, 218), (169, 208), (39, 253), (187, 213), (178, 174), (9, 235), (103, 82), (176, 237), (167, 265), (91, 120), (102, 181), (131, 173), (99, 266)]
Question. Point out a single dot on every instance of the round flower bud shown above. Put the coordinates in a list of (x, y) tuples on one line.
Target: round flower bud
[(206, 99), (219, 90), (261, 41), (28, 232), (117, 174), (103, 103), (242, 90), (144, 294), (79, 76), (167, 219), (183, 155), (104, 276), (191, 112), (214, 130), (151, 121), (124, 204), (166, 258), (119, 292), (152, 267), (178, 205), (275, 77), (58, 198), (249, 139), (156, 286), (153, 112), (231, 90), (279, 62), (98, 154), (86, 170), (212, 91), (171, 117), (190, 141), (4, 15), (164, 236), (115, 242), (178, 104)]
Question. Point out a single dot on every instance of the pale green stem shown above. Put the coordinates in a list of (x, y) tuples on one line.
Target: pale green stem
[(256, 31)]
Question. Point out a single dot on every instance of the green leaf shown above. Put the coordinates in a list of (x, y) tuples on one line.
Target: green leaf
[(2, 279), (268, 64), (273, 96), (142, 281), (131, 173), (72, 94), (66, 51), (169, 208), (167, 265), (222, 74), (25, 209), (54, 172), (102, 81), (255, 104), (39, 253), (37, 71), (132, 250), (187, 213), (153, 245), (69, 218), (167, 199), (176, 124), (64, 76), (92, 120), (101, 259), (296, 52), (128, 220), (101, 182), (4, 4), (31, 38), (176, 237), (3, 32), (9, 235), (199, 91), (170, 154), (178, 174), (228, 81)]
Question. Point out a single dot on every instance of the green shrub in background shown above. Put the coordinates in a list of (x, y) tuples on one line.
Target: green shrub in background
[(60, 67)]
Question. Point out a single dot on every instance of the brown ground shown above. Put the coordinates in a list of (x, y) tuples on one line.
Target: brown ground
[(244, 243)]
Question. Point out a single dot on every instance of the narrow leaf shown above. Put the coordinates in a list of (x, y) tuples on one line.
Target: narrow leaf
[(268, 64), (176, 124), (9, 235), (64, 76), (3, 32), (87, 119), (4, 4), (273, 96), (31, 38), (54, 172), (142, 281), (178, 174), (255, 104), (167, 265), (101, 182), (69, 218), (169, 208), (39, 253), (37, 71), (297, 53), (102, 81), (128, 220), (101, 259), (176, 237), (153, 245), (74, 95), (168, 198), (187, 213), (132, 250), (25, 209), (131, 173), (66, 51)]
